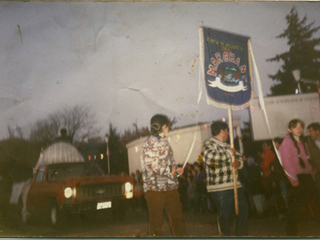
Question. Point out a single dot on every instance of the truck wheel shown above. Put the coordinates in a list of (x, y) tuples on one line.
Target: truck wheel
[(53, 213)]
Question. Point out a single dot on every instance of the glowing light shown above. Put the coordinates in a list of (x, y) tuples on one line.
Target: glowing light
[(128, 186), (223, 119), (101, 156), (129, 195), (128, 190), (136, 148), (89, 158), (68, 192)]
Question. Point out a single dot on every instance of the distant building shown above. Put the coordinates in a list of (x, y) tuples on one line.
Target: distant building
[(280, 110)]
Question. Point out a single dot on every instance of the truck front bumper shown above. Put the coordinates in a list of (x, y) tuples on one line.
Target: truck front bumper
[(96, 206)]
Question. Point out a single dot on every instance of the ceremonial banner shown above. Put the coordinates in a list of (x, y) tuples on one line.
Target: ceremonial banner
[(227, 69)]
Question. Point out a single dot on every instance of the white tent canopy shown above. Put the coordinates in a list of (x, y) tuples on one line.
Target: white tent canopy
[(59, 152)]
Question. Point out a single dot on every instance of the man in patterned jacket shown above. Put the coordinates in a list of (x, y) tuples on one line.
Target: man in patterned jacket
[(217, 155), (160, 182)]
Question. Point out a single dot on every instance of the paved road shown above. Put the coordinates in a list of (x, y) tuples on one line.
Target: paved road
[(135, 225)]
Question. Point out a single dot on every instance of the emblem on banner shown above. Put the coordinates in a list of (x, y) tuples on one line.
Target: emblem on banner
[(228, 78)]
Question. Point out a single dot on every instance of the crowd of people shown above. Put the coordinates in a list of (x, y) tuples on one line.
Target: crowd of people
[(280, 178), (289, 181), (192, 189), (264, 182)]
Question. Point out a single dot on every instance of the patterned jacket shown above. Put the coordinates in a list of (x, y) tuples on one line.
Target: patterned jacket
[(216, 152), (156, 164)]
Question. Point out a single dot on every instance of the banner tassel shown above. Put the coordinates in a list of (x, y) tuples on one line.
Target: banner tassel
[(263, 107)]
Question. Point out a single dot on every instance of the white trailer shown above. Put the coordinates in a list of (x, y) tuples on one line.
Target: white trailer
[(181, 141)]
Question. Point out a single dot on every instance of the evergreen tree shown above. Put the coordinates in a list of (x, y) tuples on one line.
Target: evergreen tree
[(117, 164), (303, 55)]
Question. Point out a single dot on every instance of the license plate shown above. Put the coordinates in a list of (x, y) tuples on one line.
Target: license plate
[(103, 205)]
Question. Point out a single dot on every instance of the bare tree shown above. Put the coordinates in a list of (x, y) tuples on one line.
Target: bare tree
[(135, 133), (10, 132), (44, 131), (15, 132), (19, 132), (78, 120)]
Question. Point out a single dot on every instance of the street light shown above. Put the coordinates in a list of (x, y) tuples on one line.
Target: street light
[(296, 75), (107, 152)]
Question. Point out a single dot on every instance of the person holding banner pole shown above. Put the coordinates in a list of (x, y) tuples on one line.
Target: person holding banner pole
[(217, 155)]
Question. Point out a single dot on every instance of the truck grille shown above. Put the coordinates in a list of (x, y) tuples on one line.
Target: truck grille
[(98, 191)]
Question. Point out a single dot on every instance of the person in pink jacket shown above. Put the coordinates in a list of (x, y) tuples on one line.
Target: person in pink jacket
[(303, 192)]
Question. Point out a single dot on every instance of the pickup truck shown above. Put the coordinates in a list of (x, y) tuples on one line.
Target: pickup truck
[(59, 189)]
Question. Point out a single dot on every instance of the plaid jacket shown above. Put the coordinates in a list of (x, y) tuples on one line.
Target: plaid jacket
[(216, 152), (156, 164)]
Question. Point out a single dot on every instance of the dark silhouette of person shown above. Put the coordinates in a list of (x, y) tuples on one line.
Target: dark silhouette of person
[(63, 136)]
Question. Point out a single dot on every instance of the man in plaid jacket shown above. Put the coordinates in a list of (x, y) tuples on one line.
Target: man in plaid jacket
[(217, 155)]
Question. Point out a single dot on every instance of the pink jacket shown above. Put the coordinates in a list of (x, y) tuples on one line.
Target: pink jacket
[(290, 159)]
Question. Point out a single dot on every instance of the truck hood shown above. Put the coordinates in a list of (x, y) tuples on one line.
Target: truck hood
[(92, 180)]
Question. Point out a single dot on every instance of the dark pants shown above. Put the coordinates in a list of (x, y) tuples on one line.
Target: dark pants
[(224, 201), (317, 179), (168, 200), (200, 200), (303, 202)]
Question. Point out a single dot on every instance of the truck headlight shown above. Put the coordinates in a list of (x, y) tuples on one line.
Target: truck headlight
[(69, 192), (128, 187)]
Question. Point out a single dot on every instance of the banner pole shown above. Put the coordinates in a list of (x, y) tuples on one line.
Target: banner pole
[(233, 159)]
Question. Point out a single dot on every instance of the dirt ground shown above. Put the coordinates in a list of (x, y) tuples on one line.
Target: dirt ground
[(135, 225)]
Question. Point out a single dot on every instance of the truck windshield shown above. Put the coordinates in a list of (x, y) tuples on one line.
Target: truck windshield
[(67, 170)]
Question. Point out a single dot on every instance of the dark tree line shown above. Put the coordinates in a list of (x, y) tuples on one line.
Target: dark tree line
[(20, 152)]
